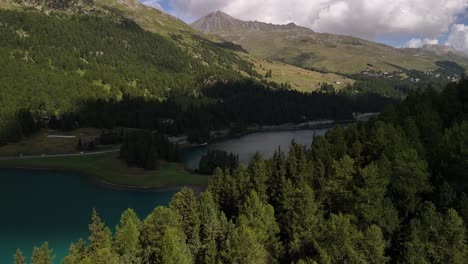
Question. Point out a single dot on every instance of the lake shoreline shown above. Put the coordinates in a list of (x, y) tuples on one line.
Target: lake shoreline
[(105, 182), (197, 188), (98, 181), (225, 134)]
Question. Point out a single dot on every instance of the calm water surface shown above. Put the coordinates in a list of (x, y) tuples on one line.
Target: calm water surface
[(39, 206), (56, 207), (264, 142)]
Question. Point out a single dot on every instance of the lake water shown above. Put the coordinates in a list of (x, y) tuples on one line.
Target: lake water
[(39, 206), (246, 146)]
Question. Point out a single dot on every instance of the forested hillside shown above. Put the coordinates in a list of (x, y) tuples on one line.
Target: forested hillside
[(61, 57), (52, 62), (391, 190), (233, 105)]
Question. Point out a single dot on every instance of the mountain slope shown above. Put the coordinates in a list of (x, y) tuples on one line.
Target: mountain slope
[(148, 18), (58, 54), (303, 47)]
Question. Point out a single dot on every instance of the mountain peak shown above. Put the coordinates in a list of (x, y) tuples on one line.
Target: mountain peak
[(221, 23), (218, 13), (217, 23)]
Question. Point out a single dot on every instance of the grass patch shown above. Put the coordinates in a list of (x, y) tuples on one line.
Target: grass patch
[(300, 79), (107, 167), (41, 144)]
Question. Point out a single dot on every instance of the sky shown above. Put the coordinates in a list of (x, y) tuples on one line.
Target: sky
[(399, 23)]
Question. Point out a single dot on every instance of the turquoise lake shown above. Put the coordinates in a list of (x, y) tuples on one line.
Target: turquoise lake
[(40, 206)]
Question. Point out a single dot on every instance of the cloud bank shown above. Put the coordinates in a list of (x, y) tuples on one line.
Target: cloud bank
[(418, 42), (363, 18), (458, 37)]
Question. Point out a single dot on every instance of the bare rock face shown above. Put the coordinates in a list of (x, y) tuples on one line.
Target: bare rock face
[(223, 24)]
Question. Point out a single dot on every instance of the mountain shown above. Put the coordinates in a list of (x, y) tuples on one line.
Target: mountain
[(58, 54), (303, 47), (147, 17), (223, 24), (444, 50)]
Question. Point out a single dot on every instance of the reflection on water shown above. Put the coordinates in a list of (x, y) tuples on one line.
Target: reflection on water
[(263, 142)]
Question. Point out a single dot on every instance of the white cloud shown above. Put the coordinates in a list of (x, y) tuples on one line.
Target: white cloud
[(153, 3), (364, 18), (458, 37), (418, 42)]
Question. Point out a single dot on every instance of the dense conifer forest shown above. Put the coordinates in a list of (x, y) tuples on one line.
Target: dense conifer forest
[(144, 149), (225, 105), (51, 63), (390, 190)]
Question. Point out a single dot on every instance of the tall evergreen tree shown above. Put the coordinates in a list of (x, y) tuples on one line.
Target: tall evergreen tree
[(260, 218), (127, 233), (77, 253), (300, 222), (153, 229), (42, 255), (19, 258), (337, 188), (212, 229), (258, 172), (410, 179), (174, 248), (242, 246), (372, 204), (186, 205), (100, 235)]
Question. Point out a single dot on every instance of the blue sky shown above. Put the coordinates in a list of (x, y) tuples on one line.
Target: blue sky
[(397, 23)]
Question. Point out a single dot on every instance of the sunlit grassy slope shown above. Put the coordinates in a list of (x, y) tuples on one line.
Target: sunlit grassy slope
[(335, 53), (148, 18), (299, 78)]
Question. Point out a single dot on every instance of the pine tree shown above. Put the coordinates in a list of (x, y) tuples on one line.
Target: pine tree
[(103, 256), (186, 205), (260, 218), (174, 248), (409, 181), (153, 229), (277, 166), (337, 188), (342, 239), (77, 253), (127, 233), (42, 255), (371, 202), (100, 236), (435, 238), (453, 245), (211, 229), (300, 221), (242, 246), (258, 172), (19, 258), (373, 245)]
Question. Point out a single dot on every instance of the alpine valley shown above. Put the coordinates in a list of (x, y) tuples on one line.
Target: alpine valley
[(233, 141)]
